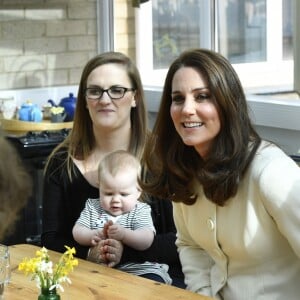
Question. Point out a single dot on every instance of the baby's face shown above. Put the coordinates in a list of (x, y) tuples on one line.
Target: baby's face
[(119, 194)]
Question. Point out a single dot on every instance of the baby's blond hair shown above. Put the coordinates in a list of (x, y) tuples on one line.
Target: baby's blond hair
[(118, 160)]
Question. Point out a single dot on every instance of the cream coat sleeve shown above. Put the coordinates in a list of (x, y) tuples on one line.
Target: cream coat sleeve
[(196, 263), (279, 183)]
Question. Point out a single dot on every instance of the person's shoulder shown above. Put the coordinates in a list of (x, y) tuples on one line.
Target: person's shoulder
[(268, 151), (269, 156), (58, 156), (95, 202), (60, 153), (56, 160), (142, 205)]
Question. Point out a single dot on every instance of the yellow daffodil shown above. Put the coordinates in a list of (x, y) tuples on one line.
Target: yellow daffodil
[(56, 110), (42, 270)]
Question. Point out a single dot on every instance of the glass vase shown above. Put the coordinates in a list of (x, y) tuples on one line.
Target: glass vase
[(47, 294)]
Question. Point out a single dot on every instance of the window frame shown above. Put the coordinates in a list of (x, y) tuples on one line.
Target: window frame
[(274, 119), (274, 73)]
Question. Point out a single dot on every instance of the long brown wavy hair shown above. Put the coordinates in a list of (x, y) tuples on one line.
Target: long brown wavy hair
[(81, 141), (173, 166)]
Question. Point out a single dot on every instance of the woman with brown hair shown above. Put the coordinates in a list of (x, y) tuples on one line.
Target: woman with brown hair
[(236, 197), (110, 115)]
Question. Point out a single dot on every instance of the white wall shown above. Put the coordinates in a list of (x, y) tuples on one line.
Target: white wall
[(40, 96)]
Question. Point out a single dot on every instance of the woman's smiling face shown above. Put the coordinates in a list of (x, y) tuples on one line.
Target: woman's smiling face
[(193, 112)]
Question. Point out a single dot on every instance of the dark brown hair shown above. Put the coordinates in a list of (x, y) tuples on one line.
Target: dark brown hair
[(174, 166)]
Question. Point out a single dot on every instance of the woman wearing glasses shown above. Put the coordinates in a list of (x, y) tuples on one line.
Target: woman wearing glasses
[(110, 115)]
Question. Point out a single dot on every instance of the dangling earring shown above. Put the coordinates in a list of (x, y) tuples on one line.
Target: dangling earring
[(133, 103)]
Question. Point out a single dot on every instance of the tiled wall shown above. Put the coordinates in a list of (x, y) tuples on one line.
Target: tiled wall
[(124, 27), (46, 43)]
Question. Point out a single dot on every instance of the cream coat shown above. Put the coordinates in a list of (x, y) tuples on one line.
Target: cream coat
[(249, 249)]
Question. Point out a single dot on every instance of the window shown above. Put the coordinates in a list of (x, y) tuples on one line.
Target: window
[(255, 35)]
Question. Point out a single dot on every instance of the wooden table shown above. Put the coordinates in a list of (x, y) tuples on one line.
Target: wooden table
[(90, 282)]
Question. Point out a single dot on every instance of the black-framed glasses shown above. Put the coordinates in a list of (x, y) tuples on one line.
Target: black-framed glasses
[(114, 92)]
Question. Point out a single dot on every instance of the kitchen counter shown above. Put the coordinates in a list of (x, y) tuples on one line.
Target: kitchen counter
[(14, 126)]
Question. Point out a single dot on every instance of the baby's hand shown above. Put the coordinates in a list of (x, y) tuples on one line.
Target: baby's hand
[(94, 242), (116, 231), (105, 228), (97, 236)]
